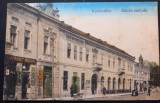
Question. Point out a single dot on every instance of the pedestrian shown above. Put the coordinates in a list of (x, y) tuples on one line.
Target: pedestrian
[(71, 90), (145, 89), (104, 90), (149, 90)]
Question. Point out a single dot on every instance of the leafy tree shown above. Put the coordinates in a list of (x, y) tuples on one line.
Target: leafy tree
[(155, 73)]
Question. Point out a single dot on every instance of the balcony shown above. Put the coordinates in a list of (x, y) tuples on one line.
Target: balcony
[(97, 66), (121, 71)]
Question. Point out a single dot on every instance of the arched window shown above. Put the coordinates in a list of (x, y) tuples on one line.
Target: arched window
[(109, 83), (114, 83), (102, 83), (119, 82), (94, 84)]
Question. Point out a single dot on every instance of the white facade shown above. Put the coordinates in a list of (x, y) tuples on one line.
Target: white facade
[(62, 56), (103, 57), (142, 75)]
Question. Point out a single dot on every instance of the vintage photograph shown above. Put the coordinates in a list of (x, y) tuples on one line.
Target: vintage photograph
[(82, 51)]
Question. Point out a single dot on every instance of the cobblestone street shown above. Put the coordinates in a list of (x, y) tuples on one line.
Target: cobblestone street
[(155, 95)]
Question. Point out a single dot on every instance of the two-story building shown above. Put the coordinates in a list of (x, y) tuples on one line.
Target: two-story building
[(90, 64), (142, 75), (44, 57), (30, 53)]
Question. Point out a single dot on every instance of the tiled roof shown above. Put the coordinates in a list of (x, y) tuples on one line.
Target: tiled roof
[(87, 35)]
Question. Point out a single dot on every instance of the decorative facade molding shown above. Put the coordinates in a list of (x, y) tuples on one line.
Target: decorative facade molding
[(49, 32), (14, 21), (28, 26)]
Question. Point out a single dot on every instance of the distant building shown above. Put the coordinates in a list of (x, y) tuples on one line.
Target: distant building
[(45, 56), (142, 75)]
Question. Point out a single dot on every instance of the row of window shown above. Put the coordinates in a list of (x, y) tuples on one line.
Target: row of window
[(13, 36), (141, 74), (75, 52), (65, 80), (130, 67)]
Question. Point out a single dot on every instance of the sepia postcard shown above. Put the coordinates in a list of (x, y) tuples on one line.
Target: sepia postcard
[(82, 51)]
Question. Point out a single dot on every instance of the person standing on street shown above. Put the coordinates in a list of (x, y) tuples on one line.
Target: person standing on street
[(149, 90), (71, 90), (104, 90)]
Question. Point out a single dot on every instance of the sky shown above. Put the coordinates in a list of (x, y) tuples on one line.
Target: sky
[(130, 26)]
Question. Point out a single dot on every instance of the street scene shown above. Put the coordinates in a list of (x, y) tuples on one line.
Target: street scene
[(142, 96), (154, 95), (82, 51)]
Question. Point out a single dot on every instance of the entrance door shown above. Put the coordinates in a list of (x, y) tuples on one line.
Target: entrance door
[(75, 82), (94, 84), (25, 81), (10, 80), (47, 84)]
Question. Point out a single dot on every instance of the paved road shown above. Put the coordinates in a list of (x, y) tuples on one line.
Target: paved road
[(144, 96)]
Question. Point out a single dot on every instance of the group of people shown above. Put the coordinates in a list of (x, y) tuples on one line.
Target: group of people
[(145, 89), (149, 90)]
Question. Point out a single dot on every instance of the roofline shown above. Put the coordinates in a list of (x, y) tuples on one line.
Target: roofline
[(75, 30), (36, 11), (99, 41)]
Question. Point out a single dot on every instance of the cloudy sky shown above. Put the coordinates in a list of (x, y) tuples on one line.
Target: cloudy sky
[(132, 27)]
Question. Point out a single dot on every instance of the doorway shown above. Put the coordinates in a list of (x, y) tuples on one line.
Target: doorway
[(94, 84), (10, 80), (75, 83), (25, 81), (47, 84)]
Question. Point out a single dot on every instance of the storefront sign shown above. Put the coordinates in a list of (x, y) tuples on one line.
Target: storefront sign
[(30, 61), (21, 59)]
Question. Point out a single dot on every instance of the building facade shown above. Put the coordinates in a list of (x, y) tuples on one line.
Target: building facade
[(46, 58), (142, 75)]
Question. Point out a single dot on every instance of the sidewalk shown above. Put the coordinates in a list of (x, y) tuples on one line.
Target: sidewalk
[(108, 95), (93, 96)]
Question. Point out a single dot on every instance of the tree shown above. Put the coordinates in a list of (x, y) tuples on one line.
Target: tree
[(154, 73)]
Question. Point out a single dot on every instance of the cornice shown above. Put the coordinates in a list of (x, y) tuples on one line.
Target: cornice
[(98, 44), (35, 11)]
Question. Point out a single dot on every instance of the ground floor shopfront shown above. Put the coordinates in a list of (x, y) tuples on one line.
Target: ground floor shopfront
[(89, 82), (19, 76), (26, 78), (30, 79)]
